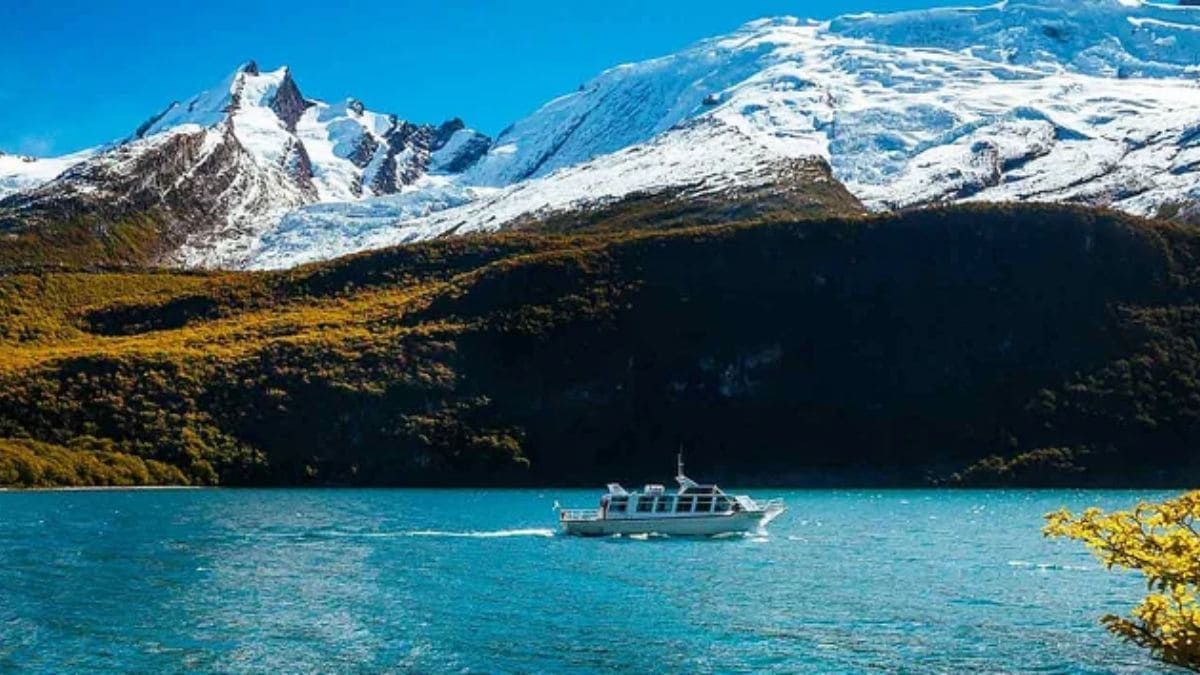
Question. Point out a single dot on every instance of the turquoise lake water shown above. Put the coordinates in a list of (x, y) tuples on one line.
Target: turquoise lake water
[(477, 581)]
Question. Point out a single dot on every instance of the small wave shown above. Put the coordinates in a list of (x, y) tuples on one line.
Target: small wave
[(1049, 566), (758, 536), (486, 534), (640, 536)]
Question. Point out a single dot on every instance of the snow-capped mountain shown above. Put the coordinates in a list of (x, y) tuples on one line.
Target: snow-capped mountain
[(1040, 100), (1044, 100), (336, 152), (224, 166)]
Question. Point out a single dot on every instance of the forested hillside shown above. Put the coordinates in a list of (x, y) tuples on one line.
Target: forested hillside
[(1027, 345)]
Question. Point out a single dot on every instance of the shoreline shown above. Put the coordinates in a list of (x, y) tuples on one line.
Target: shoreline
[(760, 488), (104, 488)]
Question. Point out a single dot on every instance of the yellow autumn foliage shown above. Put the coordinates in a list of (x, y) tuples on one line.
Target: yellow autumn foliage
[(1162, 542)]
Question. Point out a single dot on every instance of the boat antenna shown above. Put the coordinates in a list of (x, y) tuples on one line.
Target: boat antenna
[(684, 481)]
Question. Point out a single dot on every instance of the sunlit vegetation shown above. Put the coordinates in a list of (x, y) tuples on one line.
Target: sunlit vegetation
[(88, 462), (81, 241), (978, 345), (1161, 541)]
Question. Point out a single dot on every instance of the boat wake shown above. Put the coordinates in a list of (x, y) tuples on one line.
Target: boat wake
[(462, 534), (476, 534)]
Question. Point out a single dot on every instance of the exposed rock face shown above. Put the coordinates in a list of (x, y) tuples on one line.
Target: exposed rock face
[(364, 150), (458, 147), (407, 156), (287, 103), (445, 131), (298, 165), (194, 181)]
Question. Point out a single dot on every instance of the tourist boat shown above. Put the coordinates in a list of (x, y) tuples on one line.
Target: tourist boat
[(693, 510)]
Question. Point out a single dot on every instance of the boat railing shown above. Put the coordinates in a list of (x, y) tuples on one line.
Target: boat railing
[(770, 504), (759, 504), (579, 514)]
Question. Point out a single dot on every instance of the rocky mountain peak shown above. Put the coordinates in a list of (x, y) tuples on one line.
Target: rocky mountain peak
[(288, 103), (222, 165), (446, 130)]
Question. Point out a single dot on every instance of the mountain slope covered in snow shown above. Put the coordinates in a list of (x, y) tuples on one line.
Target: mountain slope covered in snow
[(23, 172), (1025, 100), (1028, 100)]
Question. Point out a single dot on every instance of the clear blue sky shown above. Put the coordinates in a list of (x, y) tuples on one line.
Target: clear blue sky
[(74, 74)]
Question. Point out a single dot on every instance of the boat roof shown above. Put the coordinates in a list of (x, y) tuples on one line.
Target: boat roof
[(687, 486), (615, 490)]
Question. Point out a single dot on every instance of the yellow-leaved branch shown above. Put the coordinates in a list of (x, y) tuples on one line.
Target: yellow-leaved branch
[(1160, 541)]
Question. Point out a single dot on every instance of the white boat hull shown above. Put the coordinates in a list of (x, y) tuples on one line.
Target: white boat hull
[(697, 525)]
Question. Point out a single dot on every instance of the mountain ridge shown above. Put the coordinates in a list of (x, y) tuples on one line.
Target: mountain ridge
[(1025, 100), (225, 164)]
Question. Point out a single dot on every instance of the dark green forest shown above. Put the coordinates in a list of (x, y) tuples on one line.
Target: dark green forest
[(983, 345)]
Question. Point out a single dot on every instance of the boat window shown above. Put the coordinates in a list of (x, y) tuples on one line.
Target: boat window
[(684, 505), (645, 504), (617, 506), (722, 504), (704, 503), (665, 504)]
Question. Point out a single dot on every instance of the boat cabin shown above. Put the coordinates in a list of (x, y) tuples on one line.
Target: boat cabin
[(654, 501), (693, 501)]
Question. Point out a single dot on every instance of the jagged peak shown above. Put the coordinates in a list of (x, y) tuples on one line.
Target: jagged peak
[(261, 85), (450, 126), (250, 67), (287, 101)]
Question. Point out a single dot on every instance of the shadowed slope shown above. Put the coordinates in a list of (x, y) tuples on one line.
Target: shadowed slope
[(892, 350)]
